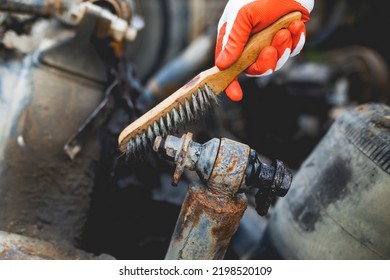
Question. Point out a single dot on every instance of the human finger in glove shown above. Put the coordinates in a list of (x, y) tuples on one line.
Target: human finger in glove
[(242, 18)]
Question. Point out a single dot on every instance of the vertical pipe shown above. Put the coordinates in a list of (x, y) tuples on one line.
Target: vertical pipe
[(206, 223)]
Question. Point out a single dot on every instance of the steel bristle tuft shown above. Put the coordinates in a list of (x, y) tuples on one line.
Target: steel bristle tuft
[(130, 148), (156, 129), (169, 123), (211, 95), (163, 129), (137, 143), (176, 120), (150, 134), (202, 104), (190, 116), (182, 113), (144, 140), (207, 101), (195, 106)]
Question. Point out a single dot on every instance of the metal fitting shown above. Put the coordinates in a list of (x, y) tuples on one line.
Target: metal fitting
[(276, 176), (183, 151), (226, 167)]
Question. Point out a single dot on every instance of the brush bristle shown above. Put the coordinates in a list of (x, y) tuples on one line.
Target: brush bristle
[(191, 110)]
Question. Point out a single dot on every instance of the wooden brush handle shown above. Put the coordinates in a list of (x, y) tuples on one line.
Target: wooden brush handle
[(215, 79), (221, 79)]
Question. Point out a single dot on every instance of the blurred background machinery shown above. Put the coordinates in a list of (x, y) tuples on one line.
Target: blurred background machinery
[(74, 74)]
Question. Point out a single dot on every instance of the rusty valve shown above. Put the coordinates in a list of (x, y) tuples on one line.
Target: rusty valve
[(223, 163)]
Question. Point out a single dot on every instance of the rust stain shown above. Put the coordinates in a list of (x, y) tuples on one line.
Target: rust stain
[(229, 220), (41, 253), (225, 212), (191, 209), (229, 169), (5, 249), (233, 163)]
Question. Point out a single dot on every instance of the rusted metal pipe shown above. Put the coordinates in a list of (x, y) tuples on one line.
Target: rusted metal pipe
[(206, 224), (211, 213), (213, 208)]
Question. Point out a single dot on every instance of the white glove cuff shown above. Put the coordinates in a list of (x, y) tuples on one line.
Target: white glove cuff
[(308, 4)]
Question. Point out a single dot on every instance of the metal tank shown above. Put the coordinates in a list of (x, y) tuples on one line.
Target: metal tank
[(338, 206)]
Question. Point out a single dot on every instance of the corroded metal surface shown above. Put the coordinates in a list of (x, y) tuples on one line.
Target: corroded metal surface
[(206, 224), (211, 213), (338, 207), (229, 167), (18, 247)]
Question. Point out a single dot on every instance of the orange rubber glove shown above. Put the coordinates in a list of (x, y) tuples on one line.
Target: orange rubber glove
[(242, 18)]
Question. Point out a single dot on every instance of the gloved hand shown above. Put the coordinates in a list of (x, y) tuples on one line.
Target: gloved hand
[(242, 18)]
